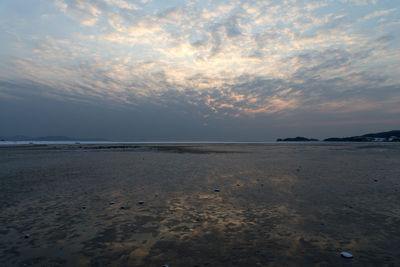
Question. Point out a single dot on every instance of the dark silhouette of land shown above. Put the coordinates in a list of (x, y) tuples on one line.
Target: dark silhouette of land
[(391, 136)]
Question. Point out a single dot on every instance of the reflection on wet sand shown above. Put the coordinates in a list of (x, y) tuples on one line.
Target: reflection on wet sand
[(277, 205)]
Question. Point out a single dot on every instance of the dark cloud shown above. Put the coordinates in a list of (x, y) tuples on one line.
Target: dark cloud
[(186, 115)]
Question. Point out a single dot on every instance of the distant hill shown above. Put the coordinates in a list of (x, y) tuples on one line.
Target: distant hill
[(47, 138), (391, 136), (296, 139)]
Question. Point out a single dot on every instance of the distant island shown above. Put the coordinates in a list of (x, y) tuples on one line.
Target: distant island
[(391, 136), (296, 139), (47, 138)]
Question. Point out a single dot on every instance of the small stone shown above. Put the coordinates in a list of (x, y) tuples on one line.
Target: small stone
[(346, 255), (156, 195), (123, 208), (112, 202), (165, 265), (262, 184), (375, 180), (237, 184), (140, 202), (27, 235), (216, 190), (83, 207)]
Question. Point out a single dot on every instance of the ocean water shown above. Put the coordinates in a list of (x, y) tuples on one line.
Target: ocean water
[(16, 143)]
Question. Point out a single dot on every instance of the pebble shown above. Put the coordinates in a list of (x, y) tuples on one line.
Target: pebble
[(262, 184), (140, 202), (346, 255), (112, 202), (216, 190), (27, 235), (165, 265)]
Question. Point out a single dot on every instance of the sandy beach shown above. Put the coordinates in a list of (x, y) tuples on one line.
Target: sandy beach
[(203, 205)]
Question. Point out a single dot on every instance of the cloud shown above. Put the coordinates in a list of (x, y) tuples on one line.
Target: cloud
[(61, 5), (89, 13), (236, 59), (122, 4), (172, 15), (359, 2), (86, 12), (378, 13)]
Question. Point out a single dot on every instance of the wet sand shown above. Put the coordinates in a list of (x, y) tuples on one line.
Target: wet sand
[(283, 204)]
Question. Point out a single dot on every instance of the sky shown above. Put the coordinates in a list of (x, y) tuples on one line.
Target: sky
[(199, 70)]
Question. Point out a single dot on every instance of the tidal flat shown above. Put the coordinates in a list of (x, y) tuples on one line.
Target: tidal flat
[(203, 205)]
